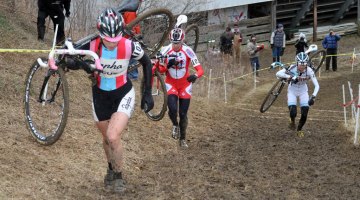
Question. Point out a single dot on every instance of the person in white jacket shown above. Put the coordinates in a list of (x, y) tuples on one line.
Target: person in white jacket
[(298, 74)]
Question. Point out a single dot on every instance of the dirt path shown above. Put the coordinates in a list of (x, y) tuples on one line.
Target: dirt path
[(235, 151)]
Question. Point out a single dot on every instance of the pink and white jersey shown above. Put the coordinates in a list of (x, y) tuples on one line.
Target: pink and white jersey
[(115, 62)]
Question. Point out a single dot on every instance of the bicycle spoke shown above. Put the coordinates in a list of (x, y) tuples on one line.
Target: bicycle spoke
[(155, 26)]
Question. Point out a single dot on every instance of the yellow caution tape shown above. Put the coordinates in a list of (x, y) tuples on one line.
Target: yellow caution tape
[(23, 51)]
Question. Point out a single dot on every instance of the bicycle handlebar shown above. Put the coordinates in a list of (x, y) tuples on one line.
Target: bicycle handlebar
[(158, 56), (70, 51)]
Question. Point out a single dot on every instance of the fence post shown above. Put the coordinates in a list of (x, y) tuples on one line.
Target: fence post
[(209, 84), (344, 100), (225, 88)]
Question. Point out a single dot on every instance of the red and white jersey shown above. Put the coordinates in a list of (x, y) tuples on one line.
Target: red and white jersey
[(185, 56)]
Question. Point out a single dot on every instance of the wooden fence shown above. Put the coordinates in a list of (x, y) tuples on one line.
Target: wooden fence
[(260, 26)]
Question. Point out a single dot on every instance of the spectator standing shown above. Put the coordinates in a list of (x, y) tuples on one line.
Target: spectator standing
[(54, 9), (226, 42), (277, 42), (330, 43), (237, 44), (301, 43), (253, 50)]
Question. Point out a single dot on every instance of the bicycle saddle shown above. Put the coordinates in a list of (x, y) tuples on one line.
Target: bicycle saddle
[(128, 6)]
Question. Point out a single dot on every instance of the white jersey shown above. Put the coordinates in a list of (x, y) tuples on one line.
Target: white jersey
[(300, 88)]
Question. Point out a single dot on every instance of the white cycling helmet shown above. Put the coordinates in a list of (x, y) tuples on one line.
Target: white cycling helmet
[(302, 58), (177, 35)]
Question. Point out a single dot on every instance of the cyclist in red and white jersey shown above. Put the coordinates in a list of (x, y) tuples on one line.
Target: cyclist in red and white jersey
[(298, 89), (113, 93), (179, 80)]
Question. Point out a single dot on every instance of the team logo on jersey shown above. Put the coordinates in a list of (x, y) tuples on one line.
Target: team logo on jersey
[(190, 53)]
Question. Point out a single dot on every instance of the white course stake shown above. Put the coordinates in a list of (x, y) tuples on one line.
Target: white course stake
[(344, 100), (352, 104), (225, 88), (356, 142), (209, 84), (353, 60)]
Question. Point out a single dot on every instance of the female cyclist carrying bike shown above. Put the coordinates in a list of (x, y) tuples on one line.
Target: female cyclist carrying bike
[(298, 75), (113, 93), (179, 81)]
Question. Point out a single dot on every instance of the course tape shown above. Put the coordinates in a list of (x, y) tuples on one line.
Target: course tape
[(23, 51), (350, 102), (353, 56)]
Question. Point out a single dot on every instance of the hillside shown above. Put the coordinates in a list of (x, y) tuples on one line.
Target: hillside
[(235, 151)]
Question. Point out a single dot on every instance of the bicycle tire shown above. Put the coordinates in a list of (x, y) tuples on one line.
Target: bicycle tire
[(192, 31), (155, 40), (314, 57), (272, 95), (159, 96), (46, 120)]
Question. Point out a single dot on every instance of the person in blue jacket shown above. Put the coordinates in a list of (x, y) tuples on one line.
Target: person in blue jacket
[(330, 43)]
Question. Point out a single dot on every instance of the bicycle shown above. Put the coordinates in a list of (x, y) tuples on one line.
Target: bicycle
[(46, 99), (192, 32), (279, 84)]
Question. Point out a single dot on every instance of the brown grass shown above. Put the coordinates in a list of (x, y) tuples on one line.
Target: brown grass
[(235, 152)]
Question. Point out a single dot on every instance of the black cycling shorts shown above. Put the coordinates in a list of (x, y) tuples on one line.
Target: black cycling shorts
[(105, 103)]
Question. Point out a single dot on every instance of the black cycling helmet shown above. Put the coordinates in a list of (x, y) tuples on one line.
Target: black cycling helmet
[(110, 25), (177, 35)]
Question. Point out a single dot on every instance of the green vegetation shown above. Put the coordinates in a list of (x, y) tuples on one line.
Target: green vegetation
[(3, 22)]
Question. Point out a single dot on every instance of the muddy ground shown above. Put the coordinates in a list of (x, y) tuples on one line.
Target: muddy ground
[(235, 151)]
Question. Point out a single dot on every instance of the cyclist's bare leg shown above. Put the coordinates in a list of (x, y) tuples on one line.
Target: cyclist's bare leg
[(112, 137), (102, 126)]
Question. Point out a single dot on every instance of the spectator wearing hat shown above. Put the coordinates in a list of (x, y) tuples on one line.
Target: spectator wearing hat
[(330, 43), (237, 44), (277, 42), (253, 51), (301, 44)]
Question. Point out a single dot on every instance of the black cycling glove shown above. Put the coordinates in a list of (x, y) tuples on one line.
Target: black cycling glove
[(147, 102), (192, 78), (312, 100), (171, 62)]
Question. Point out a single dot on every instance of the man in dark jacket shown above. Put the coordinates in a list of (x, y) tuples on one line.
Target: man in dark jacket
[(226, 40), (330, 44), (54, 9)]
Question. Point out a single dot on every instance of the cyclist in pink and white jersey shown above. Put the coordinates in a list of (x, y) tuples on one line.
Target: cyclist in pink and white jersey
[(113, 93), (179, 81)]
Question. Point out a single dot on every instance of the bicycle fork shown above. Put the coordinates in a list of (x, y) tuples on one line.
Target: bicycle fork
[(44, 88)]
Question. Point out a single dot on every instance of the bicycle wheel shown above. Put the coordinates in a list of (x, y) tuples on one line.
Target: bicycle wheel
[(317, 59), (159, 94), (192, 36), (155, 26), (272, 95), (46, 103)]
